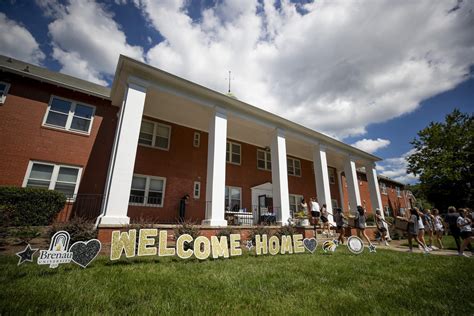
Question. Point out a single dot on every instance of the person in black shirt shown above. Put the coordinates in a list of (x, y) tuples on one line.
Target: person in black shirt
[(182, 207)]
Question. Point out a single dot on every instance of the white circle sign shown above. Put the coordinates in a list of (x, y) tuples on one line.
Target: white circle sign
[(355, 245)]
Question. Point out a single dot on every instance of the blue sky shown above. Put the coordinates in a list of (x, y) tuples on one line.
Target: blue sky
[(369, 73)]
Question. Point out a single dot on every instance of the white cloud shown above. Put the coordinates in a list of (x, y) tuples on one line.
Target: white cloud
[(371, 145), (17, 42), (337, 68), (86, 40), (396, 168)]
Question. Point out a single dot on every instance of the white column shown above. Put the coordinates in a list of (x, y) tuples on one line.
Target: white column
[(321, 177), (119, 179), (281, 198), (341, 190), (374, 190), (352, 183), (215, 185)]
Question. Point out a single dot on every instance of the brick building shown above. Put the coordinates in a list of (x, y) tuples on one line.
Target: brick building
[(132, 151)]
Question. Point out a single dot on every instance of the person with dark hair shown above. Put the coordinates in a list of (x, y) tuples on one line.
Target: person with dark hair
[(413, 230), (452, 220), (325, 220), (182, 207), (360, 223), (380, 223), (438, 227), (339, 219), (429, 227), (464, 224)]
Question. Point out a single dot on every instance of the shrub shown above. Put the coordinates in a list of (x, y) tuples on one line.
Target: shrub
[(226, 232), (259, 230), (288, 230), (25, 233), (187, 227), (370, 219), (29, 206), (78, 228)]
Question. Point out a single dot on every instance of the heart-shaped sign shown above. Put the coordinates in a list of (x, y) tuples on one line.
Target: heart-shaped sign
[(310, 244), (84, 252)]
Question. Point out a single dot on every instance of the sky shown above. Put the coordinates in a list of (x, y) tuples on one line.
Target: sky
[(369, 73)]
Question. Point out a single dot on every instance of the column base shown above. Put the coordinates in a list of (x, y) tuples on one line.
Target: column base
[(110, 220), (214, 222)]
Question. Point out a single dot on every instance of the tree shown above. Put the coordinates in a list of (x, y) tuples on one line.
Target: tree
[(443, 158)]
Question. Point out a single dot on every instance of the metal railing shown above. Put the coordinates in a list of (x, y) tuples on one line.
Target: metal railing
[(87, 206)]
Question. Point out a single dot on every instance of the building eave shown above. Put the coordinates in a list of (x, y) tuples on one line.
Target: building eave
[(128, 67)]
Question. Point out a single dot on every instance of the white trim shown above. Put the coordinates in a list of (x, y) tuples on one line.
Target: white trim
[(333, 171), (3, 96), (147, 191), (266, 161), (383, 188), (297, 198), (229, 200), (155, 125), (293, 165), (231, 145), (54, 175), (70, 116), (197, 139), (197, 196)]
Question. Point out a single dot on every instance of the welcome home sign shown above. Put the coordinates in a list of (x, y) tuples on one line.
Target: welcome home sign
[(152, 242)]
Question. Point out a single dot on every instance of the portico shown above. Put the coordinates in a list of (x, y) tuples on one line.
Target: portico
[(143, 91)]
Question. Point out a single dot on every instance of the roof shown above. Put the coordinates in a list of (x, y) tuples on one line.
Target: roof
[(381, 177), (129, 67), (42, 74)]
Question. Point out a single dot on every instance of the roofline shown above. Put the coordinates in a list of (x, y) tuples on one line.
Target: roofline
[(240, 106), (55, 82)]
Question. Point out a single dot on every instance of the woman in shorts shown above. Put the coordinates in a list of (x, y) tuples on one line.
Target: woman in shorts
[(464, 224), (360, 223), (438, 228), (325, 220), (339, 219), (429, 227), (414, 230), (379, 222)]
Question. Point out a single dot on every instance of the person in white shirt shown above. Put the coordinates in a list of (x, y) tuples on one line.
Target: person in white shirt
[(315, 211), (439, 228), (464, 224)]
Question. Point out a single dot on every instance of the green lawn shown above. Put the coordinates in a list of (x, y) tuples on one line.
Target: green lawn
[(387, 282), (448, 242)]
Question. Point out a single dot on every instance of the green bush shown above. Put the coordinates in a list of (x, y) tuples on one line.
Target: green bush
[(370, 219), (259, 230), (187, 227), (226, 232), (29, 206), (78, 228), (288, 230)]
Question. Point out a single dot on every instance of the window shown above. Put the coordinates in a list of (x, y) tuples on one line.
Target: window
[(383, 188), (56, 177), (399, 193), (264, 159), (197, 139), (69, 115), (147, 191), (197, 190), (232, 154), (4, 87), (155, 134), (332, 175), (295, 201), (294, 167), (334, 204), (233, 199)]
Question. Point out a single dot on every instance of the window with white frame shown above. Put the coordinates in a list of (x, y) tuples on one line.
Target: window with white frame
[(155, 134), (197, 139), (233, 153), (197, 190), (399, 192), (294, 166), (332, 175), (383, 188), (69, 115), (147, 191), (4, 87), (295, 201), (264, 159), (334, 204), (51, 176), (233, 198)]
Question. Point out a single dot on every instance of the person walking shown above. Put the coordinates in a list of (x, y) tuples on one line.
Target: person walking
[(451, 219), (339, 219), (439, 228), (360, 218), (379, 222), (429, 227), (414, 230), (464, 224), (325, 220)]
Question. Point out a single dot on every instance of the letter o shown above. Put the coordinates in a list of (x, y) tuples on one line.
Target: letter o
[(273, 245), (205, 252)]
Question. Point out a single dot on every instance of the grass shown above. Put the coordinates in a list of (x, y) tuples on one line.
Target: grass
[(448, 242), (387, 282)]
